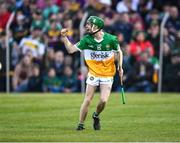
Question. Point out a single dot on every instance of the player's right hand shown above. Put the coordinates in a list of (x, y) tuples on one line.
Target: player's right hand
[(121, 72), (64, 32)]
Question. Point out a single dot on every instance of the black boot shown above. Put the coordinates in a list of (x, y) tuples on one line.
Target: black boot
[(96, 123), (80, 127)]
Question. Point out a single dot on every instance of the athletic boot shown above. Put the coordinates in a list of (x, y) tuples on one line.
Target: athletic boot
[(80, 127), (96, 123)]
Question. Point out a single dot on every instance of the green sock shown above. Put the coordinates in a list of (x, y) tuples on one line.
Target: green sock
[(81, 124), (96, 114)]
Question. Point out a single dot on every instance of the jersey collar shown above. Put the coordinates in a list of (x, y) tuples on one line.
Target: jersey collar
[(100, 40)]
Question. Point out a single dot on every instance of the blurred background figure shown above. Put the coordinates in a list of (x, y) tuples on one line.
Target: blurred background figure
[(20, 28), (53, 33), (35, 32), (51, 8), (69, 81), (22, 73), (33, 44), (51, 83), (127, 6), (172, 74), (154, 36), (35, 80), (48, 59), (139, 45), (142, 75), (4, 15), (58, 64)]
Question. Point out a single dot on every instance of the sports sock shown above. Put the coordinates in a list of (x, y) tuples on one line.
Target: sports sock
[(81, 124), (96, 114)]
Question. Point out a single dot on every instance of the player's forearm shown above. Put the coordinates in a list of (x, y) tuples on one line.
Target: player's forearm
[(120, 59), (69, 46)]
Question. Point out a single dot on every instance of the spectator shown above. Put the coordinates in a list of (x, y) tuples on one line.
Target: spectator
[(68, 61), (173, 23), (51, 8), (42, 3), (142, 75), (138, 26), (4, 16), (69, 81), (126, 6), (154, 36), (153, 16), (140, 45), (25, 8), (135, 18), (53, 33), (76, 22), (81, 76), (106, 3), (48, 59), (21, 74), (92, 7), (14, 54), (35, 80), (171, 80), (51, 83), (33, 44), (109, 22), (166, 55), (59, 63), (144, 7), (33, 7), (18, 3), (169, 39), (176, 46), (37, 20), (124, 27), (19, 27)]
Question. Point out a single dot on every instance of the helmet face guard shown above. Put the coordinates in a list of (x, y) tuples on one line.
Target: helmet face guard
[(96, 23)]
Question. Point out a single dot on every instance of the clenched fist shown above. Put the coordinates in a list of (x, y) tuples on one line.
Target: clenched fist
[(64, 32)]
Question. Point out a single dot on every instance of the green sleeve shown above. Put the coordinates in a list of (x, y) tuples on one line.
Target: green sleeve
[(81, 44), (115, 43)]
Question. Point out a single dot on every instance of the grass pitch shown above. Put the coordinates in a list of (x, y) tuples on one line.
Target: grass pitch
[(54, 117)]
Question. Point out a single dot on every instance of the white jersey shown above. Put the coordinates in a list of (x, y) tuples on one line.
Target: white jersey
[(33, 45)]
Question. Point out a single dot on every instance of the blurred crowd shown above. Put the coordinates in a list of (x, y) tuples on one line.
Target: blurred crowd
[(40, 63)]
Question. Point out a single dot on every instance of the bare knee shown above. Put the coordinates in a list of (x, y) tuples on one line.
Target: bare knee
[(87, 100)]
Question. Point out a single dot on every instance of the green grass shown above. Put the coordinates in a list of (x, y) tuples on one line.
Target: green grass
[(53, 117)]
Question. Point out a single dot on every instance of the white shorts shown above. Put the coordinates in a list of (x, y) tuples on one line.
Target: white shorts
[(96, 81)]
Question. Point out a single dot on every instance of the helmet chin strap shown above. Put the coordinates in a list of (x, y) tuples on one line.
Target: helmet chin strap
[(94, 30)]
